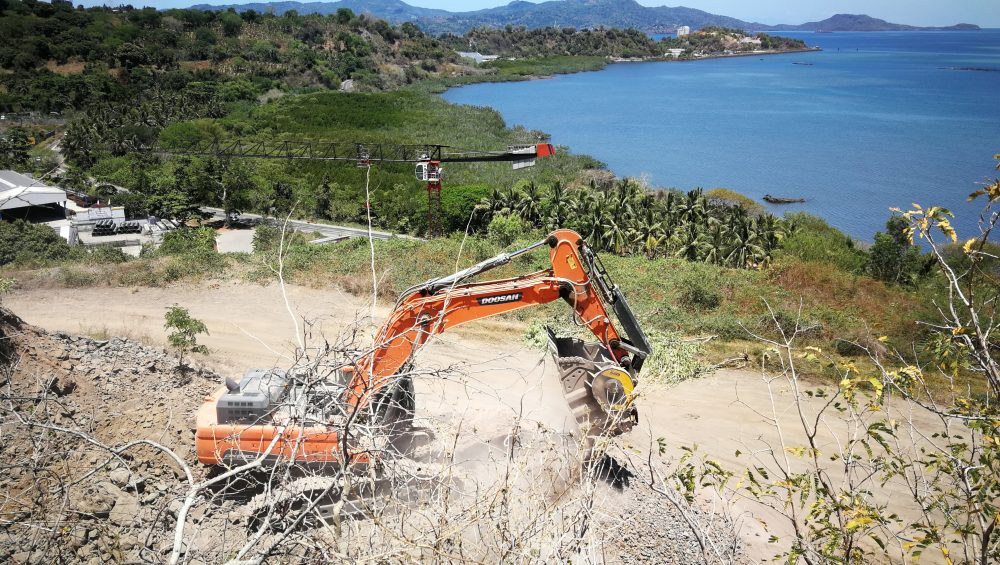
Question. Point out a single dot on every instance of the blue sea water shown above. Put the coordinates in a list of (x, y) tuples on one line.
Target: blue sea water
[(875, 120)]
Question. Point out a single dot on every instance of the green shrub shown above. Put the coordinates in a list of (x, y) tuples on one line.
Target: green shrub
[(7, 286), (267, 239), (812, 239), (503, 230), (75, 278), (702, 296), (23, 242), (107, 254), (457, 204), (188, 240), (893, 258)]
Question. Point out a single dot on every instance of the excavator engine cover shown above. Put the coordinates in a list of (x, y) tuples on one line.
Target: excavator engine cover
[(599, 392)]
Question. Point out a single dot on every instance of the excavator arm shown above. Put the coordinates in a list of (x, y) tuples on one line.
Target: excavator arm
[(575, 276)]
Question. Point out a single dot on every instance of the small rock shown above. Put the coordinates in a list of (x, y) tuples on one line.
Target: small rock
[(128, 541), (78, 537), (120, 477), (197, 513), (126, 510)]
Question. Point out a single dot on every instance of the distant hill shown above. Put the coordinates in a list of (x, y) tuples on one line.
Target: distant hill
[(857, 22), (567, 13)]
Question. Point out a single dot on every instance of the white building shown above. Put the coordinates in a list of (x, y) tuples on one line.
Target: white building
[(20, 191), (675, 53), (477, 57), (750, 40), (683, 30)]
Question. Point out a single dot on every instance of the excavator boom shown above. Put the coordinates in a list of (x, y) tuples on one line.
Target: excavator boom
[(598, 378)]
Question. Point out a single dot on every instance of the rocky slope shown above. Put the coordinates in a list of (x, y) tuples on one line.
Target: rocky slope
[(65, 402)]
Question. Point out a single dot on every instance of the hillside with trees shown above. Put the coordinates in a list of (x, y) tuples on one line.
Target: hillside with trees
[(56, 57)]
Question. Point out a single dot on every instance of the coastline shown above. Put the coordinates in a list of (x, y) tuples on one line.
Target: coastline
[(714, 56), (439, 86)]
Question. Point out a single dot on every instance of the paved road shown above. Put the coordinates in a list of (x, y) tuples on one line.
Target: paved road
[(326, 230)]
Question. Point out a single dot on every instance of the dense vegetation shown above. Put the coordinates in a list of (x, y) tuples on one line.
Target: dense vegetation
[(61, 58), (551, 41)]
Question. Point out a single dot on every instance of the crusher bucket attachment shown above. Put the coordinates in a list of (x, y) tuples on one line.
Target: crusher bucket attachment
[(599, 392)]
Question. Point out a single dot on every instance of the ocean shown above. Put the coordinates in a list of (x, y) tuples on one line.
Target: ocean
[(874, 121)]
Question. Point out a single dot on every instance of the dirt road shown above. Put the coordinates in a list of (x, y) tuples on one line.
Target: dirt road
[(251, 325)]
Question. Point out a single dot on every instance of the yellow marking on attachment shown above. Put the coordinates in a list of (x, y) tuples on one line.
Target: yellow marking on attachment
[(628, 386)]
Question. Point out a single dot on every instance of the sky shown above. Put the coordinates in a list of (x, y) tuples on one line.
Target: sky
[(985, 13)]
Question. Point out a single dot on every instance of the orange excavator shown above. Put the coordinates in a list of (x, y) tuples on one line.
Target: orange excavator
[(276, 415)]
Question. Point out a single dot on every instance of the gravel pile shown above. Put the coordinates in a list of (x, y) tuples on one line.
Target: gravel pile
[(65, 499), (641, 525)]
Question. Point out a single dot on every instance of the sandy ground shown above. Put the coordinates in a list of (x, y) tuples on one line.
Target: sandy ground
[(235, 241), (251, 326)]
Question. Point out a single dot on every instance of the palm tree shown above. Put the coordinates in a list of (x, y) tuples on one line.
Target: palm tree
[(556, 204), (495, 203), (652, 245), (692, 208), (688, 242), (648, 227), (616, 234), (713, 244), (746, 250), (530, 206)]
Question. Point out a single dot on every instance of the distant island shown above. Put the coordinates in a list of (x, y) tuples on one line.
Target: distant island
[(579, 14), (855, 22)]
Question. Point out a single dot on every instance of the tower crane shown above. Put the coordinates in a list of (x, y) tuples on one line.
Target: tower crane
[(428, 158)]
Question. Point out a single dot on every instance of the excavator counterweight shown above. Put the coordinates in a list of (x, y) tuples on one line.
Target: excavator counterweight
[(269, 415)]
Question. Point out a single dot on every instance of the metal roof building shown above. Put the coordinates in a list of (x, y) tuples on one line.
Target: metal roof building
[(20, 191)]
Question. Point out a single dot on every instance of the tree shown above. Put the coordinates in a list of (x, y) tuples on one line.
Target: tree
[(893, 258), (226, 185), (177, 201), (323, 198), (184, 331), (14, 149), (232, 23), (282, 199), (344, 16), (556, 206)]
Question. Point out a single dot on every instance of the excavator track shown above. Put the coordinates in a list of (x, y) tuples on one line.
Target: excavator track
[(279, 508)]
